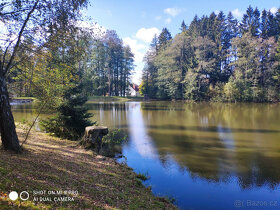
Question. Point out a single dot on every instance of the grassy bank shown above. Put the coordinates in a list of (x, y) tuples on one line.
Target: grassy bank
[(114, 98), (52, 164), (24, 98)]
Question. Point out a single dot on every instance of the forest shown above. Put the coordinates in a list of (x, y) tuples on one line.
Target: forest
[(97, 59), (217, 58)]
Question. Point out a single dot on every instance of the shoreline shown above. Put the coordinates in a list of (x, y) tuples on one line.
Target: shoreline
[(51, 164), (91, 99), (21, 100)]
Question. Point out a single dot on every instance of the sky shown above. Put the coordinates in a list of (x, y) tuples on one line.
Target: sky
[(136, 21)]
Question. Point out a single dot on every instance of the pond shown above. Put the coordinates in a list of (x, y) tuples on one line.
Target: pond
[(205, 156)]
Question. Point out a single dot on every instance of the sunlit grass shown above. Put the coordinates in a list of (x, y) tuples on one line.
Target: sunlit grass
[(49, 163)]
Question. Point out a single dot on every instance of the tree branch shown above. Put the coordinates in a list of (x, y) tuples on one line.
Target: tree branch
[(6, 51), (19, 38), (27, 134)]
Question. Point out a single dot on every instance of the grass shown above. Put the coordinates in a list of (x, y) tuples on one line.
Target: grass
[(50, 163), (142, 177), (114, 98), (24, 98)]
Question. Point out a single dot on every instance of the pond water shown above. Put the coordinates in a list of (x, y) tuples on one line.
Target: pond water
[(205, 156)]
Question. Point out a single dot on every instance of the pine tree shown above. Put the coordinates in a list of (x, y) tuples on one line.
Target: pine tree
[(194, 27), (127, 71), (183, 27), (275, 79), (72, 116), (163, 38), (251, 21), (275, 22), (232, 26), (155, 43), (264, 25), (272, 25)]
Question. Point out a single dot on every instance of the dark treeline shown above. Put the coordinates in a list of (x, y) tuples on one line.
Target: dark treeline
[(217, 58), (108, 66)]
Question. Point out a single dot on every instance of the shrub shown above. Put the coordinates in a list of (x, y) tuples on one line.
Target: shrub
[(71, 118), (112, 143)]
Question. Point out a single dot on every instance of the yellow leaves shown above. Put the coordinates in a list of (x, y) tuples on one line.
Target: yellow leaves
[(52, 77)]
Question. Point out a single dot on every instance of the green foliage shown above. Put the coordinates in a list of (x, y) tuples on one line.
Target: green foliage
[(164, 38), (111, 143), (193, 90), (251, 21), (143, 88), (107, 66), (71, 117), (236, 90), (217, 59), (142, 176), (217, 93)]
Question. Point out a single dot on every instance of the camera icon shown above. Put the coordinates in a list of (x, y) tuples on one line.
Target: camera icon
[(24, 195)]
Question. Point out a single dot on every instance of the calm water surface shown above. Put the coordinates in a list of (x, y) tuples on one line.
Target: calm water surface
[(206, 156)]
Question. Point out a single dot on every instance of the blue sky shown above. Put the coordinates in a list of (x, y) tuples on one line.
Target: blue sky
[(136, 21)]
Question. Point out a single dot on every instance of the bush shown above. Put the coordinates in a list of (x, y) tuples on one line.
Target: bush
[(112, 143), (217, 93)]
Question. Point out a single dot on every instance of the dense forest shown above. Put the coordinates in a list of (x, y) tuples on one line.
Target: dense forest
[(217, 58), (97, 59)]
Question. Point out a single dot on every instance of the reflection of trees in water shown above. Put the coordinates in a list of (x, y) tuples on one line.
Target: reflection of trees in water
[(210, 161), (108, 106), (259, 170), (112, 114), (238, 115), (200, 156), (192, 138), (162, 105)]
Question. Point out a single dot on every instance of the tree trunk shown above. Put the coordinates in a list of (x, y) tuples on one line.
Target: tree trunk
[(7, 124)]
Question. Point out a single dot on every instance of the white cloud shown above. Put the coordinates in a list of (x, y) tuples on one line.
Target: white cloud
[(172, 11), (139, 45), (237, 13), (158, 18), (147, 34), (137, 48), (273, 10), (217, 12), (168, 20)]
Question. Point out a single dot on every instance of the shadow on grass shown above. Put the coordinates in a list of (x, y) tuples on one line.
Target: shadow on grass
[(57, 165)]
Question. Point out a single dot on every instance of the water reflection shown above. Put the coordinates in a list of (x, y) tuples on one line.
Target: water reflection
[(204, 155), (139, 139)]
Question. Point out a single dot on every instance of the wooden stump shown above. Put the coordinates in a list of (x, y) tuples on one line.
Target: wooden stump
[(93, 136)]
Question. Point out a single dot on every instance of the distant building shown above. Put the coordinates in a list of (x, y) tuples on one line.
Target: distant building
[(134, 90)]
